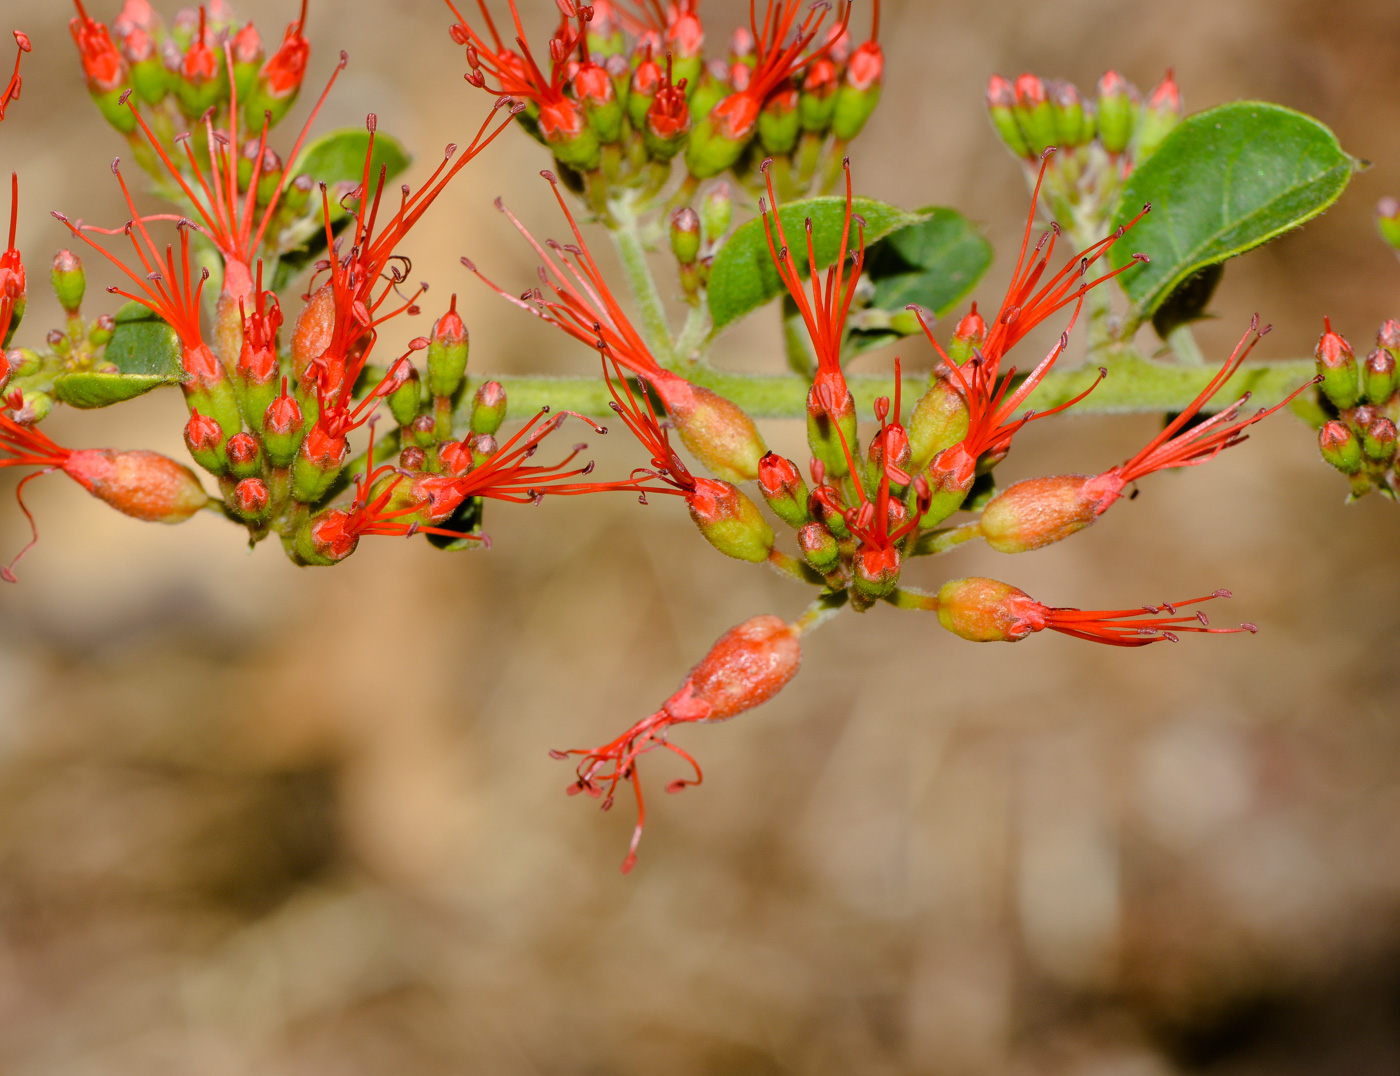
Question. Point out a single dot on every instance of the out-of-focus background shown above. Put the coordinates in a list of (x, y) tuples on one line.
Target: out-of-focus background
[(262, 819)]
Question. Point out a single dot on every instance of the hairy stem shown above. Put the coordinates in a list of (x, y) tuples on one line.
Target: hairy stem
[(654, 325), (1135, 385)]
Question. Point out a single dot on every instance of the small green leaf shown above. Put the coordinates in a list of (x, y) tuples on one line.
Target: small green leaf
[(339, 157), (144, 345), (743, 277), (90, 389), (933, 264), (1224, 182)]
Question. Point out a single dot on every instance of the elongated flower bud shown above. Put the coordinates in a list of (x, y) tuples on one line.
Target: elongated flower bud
[(1158, 117), (1337, 366), (143, 485), (1340, 447), (1379, 376), (205, 439), (448, 348), (488, 408), (819, 547), (283, 429), (1040, 511), (69, 281), (1118, 102), (783, 488), (1001, 107), (718, 431), (1388, 221), (730, 521)]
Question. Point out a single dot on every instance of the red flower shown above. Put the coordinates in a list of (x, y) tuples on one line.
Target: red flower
[(779, 44), (228, 217), (284, 71), (16, 83), (102, 64), (984, 610), (991, 399), (518, 76), (747, 666)]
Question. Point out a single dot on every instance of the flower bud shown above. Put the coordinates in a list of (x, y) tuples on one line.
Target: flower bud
[(422, 431), (1074, 124), (406, 401), (667, 123), (876, 572), (282, 430), (1378, 377), (646, 80), (730, 521), (147, 71), (252, 500), (244, 455), (1118, 103), (747, 666), (325, 539), (859, 94), (721, 135), (824, 505), (447, 354), (970, 334), (1337, 365), (205, 439), (1001, 107), (317, 465), (69, 281), (831, 429), (247, 49), (104, 69), (939, 421), (1388, 221), (1378, 441), (34, 407), (201, 80), (778, 125), (1159, 116), (488, 408), (140, 484), (783, 488), (1340, 447), (1034, 114), (100, 335), (1039, 512), (276, 87), (984, 610), (819, 548), (685, 235), (718, 432), (716, 213), (413, 459), (817, 104), (602, 108)]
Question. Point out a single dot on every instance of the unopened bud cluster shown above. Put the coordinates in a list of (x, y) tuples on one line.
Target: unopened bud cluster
[(1360, 399), (1099, 138)]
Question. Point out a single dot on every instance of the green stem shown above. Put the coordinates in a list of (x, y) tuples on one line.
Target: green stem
[(1135, 385), (909, 598), (820, 611), (940, 541), (627, 238), (693, 333), (1182, 341)]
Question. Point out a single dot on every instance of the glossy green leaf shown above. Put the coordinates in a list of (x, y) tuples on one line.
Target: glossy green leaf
[(1222, 183), (142, 344), (339, 157), (933, 264), (90, 389), (743, 277)]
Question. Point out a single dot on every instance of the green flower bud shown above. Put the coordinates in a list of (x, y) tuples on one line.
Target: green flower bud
[(447, 355), (69, 281), (784, 489), (685, 235), (1340, 447), (1118, 103), (488, 408), (1337, 365), (730, 521)]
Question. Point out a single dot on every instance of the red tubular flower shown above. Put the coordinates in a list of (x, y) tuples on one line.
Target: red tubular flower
[(143, 485), (824, 311), (102, 63), (991, 400), (518, 76), (228, 217), (984, 610), (14, 284), (779, 45), (16, 83), (747, 666), (1040, 511), (284, 71), (719, 433)]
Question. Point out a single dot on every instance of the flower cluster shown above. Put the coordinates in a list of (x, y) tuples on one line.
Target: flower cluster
[(1358, 406), (283, 391), (621, 89)]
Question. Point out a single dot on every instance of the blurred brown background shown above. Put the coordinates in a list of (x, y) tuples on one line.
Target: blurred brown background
[(261, 819)]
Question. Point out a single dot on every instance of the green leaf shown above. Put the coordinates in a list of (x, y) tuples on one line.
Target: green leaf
[(933, 264), (90, 389), (1224, 182), (743, 277), (339, 157), (143, 344)]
